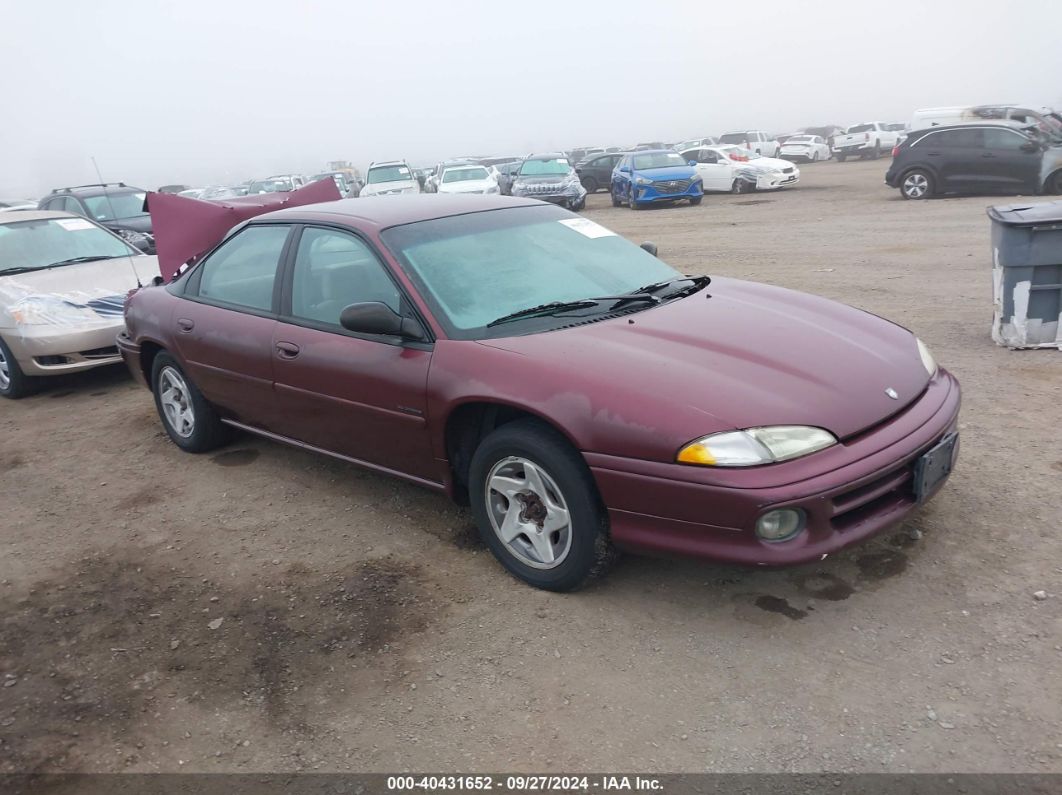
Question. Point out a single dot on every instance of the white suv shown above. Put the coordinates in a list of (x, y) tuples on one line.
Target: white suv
[(390, 178), (756, 140)]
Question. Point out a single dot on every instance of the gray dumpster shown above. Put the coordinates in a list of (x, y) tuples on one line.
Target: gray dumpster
[(1027, 275)]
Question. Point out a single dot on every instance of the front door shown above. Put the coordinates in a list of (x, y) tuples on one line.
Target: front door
[(1008, 166), (362, 396), (224, 328), (716, 173)]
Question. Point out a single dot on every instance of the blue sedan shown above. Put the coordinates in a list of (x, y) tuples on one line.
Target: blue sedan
[(660, 175)]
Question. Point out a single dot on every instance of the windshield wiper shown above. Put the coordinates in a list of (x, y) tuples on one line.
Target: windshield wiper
[(551, 308), (698, 282), (75, 260)]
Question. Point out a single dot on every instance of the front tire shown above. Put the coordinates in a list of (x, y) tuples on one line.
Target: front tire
[(632, 203), (537, 507), (841, 157), (1053, 184), (616, 201), (695, 201), (916, 184), (189, 420), (590, 184), (14, 383)]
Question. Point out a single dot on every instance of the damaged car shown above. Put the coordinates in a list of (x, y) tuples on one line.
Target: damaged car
[(551, 178), (582, 396), (115, 205), (63, 282)]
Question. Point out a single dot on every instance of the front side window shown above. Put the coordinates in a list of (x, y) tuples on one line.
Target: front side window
[(113, 206), (243, 270), (474, 268), (333, 270), (1003, 139)]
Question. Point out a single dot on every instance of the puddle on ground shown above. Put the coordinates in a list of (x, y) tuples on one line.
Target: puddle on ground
[(775, 604), (236, 458), (825, 586), (876, 566)]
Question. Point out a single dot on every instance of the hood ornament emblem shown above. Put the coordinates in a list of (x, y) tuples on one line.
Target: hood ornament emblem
[(892, 393)]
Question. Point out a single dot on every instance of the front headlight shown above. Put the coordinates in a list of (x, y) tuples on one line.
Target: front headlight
[(642, 181), (927, 358), (47, 311), (755, 446)]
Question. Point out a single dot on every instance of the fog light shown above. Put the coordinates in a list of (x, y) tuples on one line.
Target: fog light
[(780, 525)]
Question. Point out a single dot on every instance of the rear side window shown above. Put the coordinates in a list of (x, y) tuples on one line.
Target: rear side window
[(958, 139), (243, 270)]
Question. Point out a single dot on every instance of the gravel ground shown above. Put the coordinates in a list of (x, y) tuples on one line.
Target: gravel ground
[(264, 609)]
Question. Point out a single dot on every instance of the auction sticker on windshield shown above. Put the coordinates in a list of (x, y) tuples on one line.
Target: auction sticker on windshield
[(587, 228), (73, 224)]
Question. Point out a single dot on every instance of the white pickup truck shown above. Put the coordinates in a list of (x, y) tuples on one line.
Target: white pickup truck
[(868, 139)]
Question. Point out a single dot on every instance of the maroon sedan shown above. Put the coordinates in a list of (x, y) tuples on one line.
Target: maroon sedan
[(580, 394)]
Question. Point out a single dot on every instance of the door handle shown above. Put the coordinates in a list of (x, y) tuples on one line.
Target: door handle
[(287, 350), (185, 325)]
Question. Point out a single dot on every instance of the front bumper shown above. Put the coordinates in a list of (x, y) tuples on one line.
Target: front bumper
[(54, 350), (849, 492), (772, 182), (567, 197), (648, 194), (129, 351)]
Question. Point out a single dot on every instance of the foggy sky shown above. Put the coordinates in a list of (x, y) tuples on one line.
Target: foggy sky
[(219, 92)]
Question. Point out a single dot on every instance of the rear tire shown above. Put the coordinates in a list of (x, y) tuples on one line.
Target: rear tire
[(528, 484), (916, 184), (876, 153), (841, 157), (1053, 184), (14, 383), (190, 421)]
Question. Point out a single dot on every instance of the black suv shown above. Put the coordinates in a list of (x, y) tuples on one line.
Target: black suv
[(115, 205), (595, 172), (975, 158)]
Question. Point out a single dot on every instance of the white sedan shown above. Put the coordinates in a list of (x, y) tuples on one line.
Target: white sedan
[(810, 148), (734, 169), (468, 179)]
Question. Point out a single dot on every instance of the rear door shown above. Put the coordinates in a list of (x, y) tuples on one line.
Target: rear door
[(360, 395), (1008, 166), (224, 327)]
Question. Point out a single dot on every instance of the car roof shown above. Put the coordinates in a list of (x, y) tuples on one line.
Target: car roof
[(652, 152), (381, 212), (547, 156), (388, 163), (33, 215), (97, 190), (986, 123)]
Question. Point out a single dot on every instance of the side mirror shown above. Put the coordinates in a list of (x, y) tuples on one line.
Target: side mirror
[(374, 317), (1030, 146), (691, 162), (649, 246), (624, 169)]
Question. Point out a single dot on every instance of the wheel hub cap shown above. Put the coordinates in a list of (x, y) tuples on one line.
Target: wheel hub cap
[(176, 402), (5, 372), (528, 512)]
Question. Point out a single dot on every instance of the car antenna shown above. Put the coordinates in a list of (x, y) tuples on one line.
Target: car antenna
[(107, 196)]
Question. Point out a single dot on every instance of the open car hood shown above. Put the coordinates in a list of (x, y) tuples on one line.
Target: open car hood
[(187, 228)]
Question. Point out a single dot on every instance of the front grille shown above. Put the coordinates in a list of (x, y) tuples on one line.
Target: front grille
[(672, 185), (549, 188), (788, 170), (881, 495), (51, 361)]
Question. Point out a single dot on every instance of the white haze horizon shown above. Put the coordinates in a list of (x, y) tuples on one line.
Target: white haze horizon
[(218, 93)]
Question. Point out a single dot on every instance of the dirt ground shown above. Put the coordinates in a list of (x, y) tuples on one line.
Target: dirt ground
[(264, 609)]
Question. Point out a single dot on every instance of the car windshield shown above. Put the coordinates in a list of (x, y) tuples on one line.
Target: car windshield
[(557, 167), (112, 206), (388, 174), (271, 186), (733, 138), (799, 139), (858, 128), (464, 174), (44, 242), (475, 268), (658, 160)]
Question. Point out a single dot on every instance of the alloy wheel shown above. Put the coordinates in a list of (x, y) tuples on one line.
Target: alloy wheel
[(528, 512), (176, 402), (5, 371), (915, 185)]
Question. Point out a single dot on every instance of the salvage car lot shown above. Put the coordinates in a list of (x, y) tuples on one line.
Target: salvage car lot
[(363, 627)]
